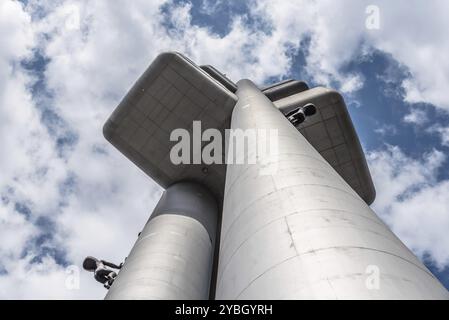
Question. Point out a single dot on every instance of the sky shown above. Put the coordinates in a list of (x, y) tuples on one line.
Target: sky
[(66, 193)]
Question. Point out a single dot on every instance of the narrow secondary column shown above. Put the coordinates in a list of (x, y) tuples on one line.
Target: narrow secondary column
[(173, 256), (298, 230)]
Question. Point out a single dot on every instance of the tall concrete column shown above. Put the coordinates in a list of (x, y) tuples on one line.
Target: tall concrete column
[(301, 232), (173, 256)]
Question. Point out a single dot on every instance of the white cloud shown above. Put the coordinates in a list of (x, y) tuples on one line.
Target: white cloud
[(352, 83), (417, 117), (15, 33), (112, 199), (15, 232), (412, 200), (244, 52), (415, 35), (30, 170), (386, 130), (443, 133)]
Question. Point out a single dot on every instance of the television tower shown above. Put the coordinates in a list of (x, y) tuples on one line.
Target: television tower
[(294, 224)]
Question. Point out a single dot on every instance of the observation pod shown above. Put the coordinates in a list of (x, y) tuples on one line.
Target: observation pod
[(302, 229)]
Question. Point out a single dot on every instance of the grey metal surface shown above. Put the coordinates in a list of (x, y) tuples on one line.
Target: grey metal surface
[(220, 77), (172, 93), (303, 232), (173, 256), (276, 84), (332, 134), (285, 89)]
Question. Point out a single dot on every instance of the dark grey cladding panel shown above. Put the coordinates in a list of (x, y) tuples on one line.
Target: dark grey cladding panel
[(284, 89), (276, 84), (220, 77), (172, 93), (332, 133)]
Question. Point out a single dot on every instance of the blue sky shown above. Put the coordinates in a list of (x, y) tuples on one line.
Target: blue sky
[(66, 193)]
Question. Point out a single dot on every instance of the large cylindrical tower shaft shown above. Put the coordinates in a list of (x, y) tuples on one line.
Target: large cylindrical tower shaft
[(173, 256), (298, 230)]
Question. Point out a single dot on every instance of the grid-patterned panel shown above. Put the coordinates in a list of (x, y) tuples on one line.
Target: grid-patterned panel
[(171, 94)]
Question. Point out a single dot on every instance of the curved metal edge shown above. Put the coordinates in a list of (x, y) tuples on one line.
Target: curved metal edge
[(220, 77), (285, 89), (371, 191)]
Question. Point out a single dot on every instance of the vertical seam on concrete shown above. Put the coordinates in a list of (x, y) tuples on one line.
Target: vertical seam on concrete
[(291, 235)]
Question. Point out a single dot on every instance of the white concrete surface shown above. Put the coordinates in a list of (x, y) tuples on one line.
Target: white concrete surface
[(302, 232), (173, 256)]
